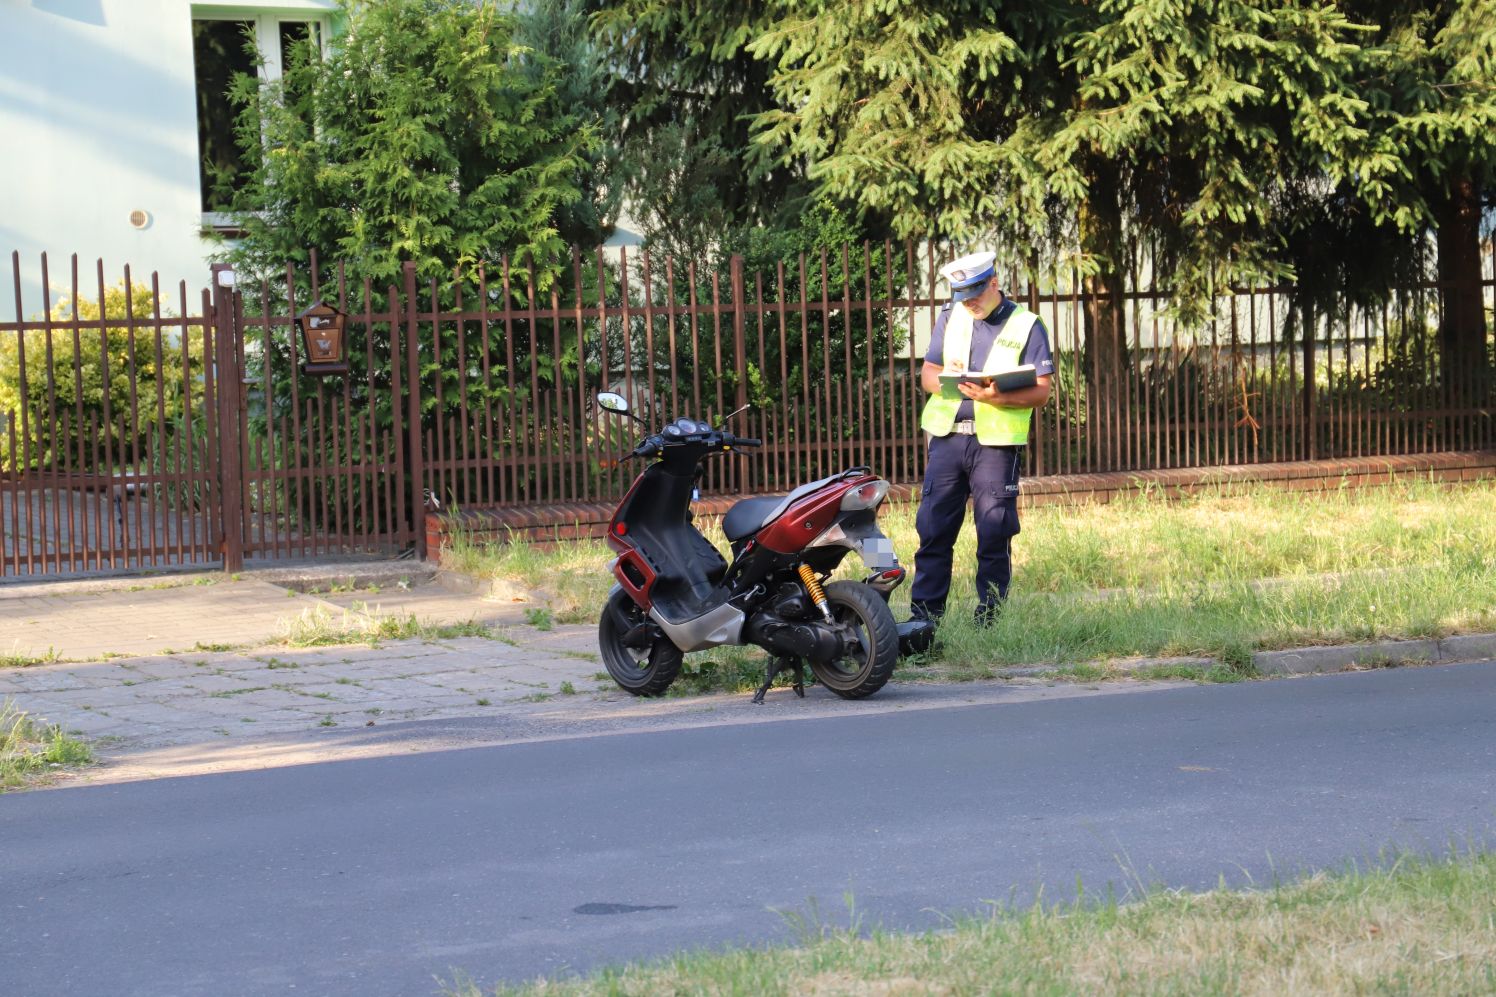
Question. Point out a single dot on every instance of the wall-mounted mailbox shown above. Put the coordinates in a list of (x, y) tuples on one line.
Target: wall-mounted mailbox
[(323, 338)]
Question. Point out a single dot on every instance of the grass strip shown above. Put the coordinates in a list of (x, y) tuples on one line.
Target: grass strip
[(1412, 925), (31, 751), (1219, 574)]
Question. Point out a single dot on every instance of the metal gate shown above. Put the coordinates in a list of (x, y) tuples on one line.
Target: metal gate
[(144, 427), (109, 414)]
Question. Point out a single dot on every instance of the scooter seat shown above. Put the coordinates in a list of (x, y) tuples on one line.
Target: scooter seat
[(752, 514), (749, 515)]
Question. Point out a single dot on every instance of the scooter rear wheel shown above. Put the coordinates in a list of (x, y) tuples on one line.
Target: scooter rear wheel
[(866, 670), (643, 671)]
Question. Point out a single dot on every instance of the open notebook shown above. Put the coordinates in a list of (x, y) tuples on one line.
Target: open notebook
[(1006, 380)]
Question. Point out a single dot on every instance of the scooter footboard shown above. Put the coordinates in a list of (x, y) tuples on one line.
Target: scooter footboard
[(722, 625)]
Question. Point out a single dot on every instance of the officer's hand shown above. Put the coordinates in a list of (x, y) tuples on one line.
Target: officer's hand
[(987, 393)]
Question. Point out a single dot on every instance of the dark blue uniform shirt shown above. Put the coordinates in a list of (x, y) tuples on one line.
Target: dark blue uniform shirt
[(983, 333)]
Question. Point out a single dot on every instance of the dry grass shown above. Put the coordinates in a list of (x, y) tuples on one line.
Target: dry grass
[(318, 627), (569, 577), (1414, 927)]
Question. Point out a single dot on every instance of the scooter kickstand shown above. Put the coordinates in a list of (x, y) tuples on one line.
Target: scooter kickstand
[(776, 665), (799, 685)]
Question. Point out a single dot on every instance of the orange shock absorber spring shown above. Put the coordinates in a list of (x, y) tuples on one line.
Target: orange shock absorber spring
[(813, 586)]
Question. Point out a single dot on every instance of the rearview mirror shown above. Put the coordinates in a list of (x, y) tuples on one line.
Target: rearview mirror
[(613, 401)]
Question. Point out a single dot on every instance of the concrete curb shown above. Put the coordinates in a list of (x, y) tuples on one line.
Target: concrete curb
[(1124, 665), (350, 575), (1315, 660), (1305, 660)]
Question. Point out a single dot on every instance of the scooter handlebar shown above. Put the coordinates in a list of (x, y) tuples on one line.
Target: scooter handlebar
[(648, 447), (655, 444)]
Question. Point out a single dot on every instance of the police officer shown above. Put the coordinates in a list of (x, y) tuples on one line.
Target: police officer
[(976, 441)]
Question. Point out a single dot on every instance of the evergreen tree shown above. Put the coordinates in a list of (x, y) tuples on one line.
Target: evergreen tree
[(1238, 141), (905, 107), (558, 33), (686, 89), (1430, 83), (427, 133), (1104, 125)]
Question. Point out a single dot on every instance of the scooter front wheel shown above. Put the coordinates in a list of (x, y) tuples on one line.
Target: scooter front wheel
[(643, 671), (867, 668)]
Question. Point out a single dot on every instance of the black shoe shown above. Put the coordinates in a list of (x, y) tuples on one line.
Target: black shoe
[(916, 636), (986, 614), (926, 611)]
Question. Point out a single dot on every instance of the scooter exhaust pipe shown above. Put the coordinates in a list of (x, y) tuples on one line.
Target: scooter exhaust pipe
[(794, 639)]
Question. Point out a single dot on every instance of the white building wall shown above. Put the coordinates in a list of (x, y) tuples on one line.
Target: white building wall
[(98, 119)]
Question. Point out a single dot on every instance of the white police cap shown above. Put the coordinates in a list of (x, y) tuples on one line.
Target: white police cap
[(969, 275)]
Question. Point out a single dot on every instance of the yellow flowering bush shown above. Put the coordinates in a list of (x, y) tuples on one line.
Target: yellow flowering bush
[(60, 422)]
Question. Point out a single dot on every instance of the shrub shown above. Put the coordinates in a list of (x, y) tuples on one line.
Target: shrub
[(428, 133), (74, 405)]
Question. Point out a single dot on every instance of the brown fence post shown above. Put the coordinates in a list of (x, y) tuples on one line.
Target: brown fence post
[(230, 384), (739, 344), (415, 452), (1311, 442), (1035, 453)]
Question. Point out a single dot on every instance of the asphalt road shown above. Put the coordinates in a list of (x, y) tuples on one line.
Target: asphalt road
[(378, 876)]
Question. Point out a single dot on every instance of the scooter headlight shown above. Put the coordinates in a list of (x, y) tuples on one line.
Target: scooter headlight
[(865, 496)]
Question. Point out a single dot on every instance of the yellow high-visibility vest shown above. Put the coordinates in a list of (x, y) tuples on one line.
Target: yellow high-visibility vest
[(996, 426)]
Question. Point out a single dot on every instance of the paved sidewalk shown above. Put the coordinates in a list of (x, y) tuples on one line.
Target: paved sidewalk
[(82, 621), (148, 701), (76, 626), (200, 658)]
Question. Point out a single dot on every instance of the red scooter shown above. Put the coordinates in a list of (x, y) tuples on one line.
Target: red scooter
[(676, 593)]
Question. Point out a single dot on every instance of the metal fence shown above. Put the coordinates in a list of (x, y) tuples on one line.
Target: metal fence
[(146, 427)]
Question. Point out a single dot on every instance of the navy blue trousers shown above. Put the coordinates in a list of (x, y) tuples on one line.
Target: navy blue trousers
[(959, 468)]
